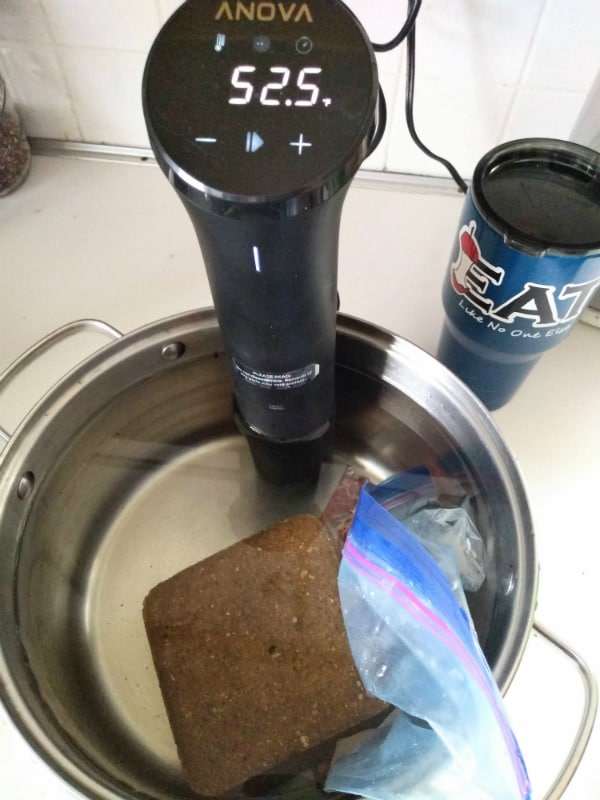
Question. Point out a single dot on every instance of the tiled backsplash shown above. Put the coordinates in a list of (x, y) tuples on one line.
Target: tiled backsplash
[(487, 71)]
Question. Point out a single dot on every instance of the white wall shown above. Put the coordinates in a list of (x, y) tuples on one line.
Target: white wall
[(487, 71)]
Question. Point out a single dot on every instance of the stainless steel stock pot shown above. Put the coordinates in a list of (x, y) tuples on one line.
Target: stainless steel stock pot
[(131, 468)]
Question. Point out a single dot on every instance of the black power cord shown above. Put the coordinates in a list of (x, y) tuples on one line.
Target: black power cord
[(408, 32), (411, 18)]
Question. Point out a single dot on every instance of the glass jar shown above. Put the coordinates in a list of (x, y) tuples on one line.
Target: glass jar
[(15, 154)]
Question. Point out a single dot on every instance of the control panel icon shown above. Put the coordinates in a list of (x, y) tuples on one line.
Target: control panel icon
[(300, 144), (253, 142)]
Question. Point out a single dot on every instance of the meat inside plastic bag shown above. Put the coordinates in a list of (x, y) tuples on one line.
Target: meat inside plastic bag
[(415, 647)]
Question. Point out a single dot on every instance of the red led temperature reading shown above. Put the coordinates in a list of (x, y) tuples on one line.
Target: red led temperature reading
[(306, 92)]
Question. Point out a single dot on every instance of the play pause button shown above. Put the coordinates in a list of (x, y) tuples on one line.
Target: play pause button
[(253, 142)]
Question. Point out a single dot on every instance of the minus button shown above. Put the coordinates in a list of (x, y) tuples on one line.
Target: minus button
[(205, 139)]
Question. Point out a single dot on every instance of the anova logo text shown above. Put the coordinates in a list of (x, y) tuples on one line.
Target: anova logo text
[(264, 12)]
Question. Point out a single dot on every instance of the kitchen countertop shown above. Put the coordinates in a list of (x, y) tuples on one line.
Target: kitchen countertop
[(109, 240)]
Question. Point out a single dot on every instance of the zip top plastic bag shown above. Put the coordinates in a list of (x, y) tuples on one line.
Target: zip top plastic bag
[(446, 531), (448, 737)]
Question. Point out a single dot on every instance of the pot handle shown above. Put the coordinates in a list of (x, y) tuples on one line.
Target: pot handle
[(588, 715), (40, 347)]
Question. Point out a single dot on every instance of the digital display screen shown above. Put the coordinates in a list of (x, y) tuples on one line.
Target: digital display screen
[(259, 99)]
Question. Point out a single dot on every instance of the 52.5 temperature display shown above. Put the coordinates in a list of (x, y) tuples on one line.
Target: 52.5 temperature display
[(303, 89)]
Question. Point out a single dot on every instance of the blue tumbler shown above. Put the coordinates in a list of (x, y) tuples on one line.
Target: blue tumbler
[(525, 263)]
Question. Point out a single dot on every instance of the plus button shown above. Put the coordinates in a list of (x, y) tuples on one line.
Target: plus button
[(300, 144)]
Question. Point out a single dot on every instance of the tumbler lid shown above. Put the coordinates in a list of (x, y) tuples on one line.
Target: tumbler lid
[(541, 195)]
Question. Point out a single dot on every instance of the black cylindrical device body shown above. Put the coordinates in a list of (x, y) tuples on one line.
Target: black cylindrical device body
[(260, 114)]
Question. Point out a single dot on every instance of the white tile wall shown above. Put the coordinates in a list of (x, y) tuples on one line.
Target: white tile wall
[(487, 71)]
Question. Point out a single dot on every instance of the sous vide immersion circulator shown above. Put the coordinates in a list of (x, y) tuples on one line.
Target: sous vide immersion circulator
[(260, 113)]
